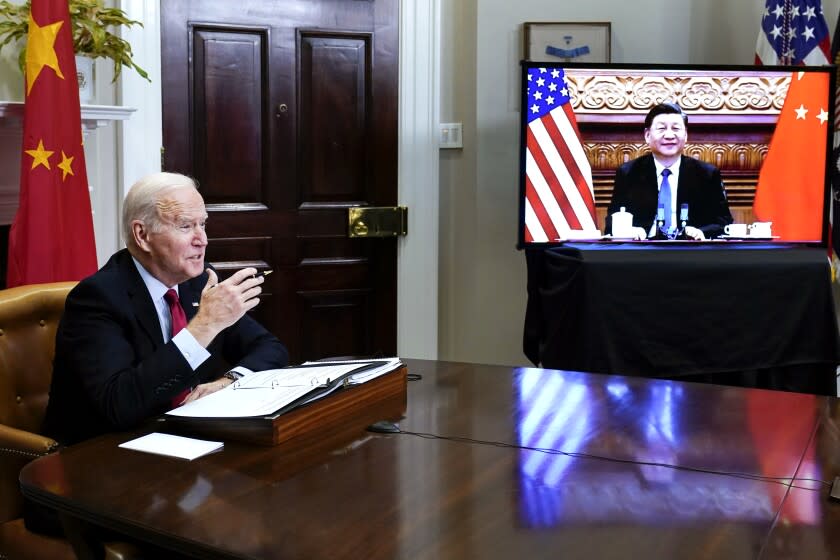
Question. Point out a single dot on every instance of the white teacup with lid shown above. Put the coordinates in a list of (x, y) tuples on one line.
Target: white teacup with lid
[(761, 229), (622, 223)]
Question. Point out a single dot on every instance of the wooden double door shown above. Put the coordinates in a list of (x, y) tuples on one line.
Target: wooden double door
[(285, 111)]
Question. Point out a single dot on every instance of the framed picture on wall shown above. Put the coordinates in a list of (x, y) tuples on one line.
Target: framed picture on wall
[(567, 41)]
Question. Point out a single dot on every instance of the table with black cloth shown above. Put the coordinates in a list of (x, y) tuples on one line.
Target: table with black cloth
[(745, 314)]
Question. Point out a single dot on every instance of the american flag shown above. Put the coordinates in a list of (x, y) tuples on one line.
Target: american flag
[(558, 179), (793, 32)]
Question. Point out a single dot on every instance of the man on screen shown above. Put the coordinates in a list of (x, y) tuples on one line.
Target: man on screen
[(639, 183)]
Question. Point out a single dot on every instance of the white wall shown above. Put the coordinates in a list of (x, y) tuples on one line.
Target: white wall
[(482, 275)]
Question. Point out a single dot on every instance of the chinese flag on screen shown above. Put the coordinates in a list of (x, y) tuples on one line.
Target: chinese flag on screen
[(51, 238), (792, 179)]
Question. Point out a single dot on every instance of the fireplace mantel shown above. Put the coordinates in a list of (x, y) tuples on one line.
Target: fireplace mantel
[(93, 116), (11, 131)]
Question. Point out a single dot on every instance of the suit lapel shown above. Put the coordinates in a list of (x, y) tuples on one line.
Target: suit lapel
[(650, 175), (652, 187), (685, 184), (141, 301), (190, 295)]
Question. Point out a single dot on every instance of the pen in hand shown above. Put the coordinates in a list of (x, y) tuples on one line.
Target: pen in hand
[(257, 275)]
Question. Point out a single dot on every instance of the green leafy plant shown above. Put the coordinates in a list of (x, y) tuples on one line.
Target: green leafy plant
[(90, 21)]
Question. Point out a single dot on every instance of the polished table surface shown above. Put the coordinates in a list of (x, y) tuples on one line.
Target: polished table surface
[(492, 462)]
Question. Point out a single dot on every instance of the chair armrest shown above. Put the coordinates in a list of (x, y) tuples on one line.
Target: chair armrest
[(23, 443)]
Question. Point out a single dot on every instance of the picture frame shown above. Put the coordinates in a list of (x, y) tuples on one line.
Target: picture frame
[(578, 41)]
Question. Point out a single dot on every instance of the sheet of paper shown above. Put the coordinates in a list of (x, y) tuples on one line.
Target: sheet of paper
[(382, 366), (264, 392), (174, 446), (385, 365)]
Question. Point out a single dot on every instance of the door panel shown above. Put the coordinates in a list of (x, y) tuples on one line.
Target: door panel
[(286, 114), (334, 102), (221, 58)]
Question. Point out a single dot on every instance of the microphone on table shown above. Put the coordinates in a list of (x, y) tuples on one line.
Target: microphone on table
[(683, 221), (660, 232)]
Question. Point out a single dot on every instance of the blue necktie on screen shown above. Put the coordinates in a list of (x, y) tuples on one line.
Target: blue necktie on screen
[(665, 198)]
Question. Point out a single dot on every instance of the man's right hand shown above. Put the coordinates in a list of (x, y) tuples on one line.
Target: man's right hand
[(224, 303)]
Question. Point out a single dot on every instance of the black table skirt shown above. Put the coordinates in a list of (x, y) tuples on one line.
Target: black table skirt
[(695, 312)]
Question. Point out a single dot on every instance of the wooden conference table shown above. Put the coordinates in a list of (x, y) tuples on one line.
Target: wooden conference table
[(465, 479)]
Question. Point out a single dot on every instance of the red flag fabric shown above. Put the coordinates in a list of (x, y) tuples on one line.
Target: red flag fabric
[(559, 197), (792, 161), (51, 238)]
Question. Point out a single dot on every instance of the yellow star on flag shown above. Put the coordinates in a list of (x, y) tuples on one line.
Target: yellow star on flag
[(66, 165), (40, 51), (40, 156)]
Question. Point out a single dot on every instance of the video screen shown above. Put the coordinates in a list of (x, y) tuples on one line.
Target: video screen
[(620, 152)]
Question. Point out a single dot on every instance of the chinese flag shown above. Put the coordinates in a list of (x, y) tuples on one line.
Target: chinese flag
[(51, 238), (792, 179)]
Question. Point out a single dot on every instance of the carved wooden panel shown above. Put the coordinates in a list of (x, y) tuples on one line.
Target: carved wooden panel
[(730, 156), (335, 97), (227, 102), (335, 322), (241, 251)]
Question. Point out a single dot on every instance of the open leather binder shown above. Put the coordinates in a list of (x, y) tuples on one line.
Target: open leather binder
[(273, 406)]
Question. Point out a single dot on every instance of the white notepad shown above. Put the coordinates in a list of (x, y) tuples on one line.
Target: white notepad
[(174, 446)]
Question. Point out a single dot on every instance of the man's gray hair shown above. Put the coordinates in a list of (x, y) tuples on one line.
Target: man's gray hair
[(141, 202)]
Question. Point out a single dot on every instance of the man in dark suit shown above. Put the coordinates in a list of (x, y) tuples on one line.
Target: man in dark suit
[(118, 360), (638, 183)]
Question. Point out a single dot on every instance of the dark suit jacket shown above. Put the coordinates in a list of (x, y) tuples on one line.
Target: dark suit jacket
[(112, 370), (700, 186)]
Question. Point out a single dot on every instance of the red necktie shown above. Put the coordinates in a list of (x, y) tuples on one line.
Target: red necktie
[(179, 321)]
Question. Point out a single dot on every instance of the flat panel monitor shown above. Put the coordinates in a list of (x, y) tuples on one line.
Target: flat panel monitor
[(755, 155)]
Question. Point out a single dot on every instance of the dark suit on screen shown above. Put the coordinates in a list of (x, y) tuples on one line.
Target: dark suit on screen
[(112, 369), (700, 186)]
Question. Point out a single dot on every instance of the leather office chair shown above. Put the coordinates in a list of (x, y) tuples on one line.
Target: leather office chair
[(29, 318)]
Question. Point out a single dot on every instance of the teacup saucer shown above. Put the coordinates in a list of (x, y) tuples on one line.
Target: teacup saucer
[(746, 237)]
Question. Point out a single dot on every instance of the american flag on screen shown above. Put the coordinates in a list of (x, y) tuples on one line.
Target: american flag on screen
[(558, 179), (793, 32)]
